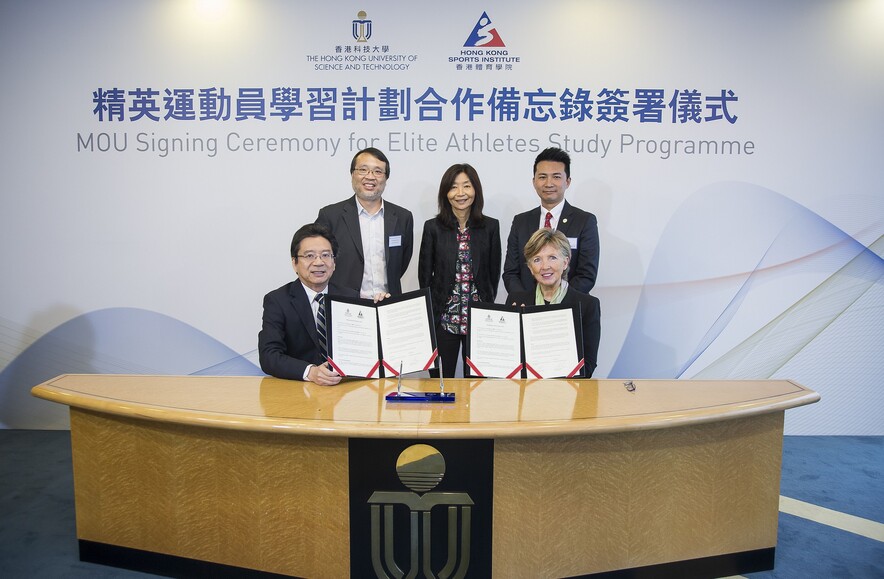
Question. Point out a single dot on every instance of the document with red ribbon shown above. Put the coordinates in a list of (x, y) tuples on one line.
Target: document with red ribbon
[(553, 340), (494, 341), (371, 340), (407, 332), (353, 348), (524, 341)]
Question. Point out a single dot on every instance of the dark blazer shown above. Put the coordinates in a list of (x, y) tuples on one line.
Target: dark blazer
[(343, 220), (590, 317), (287, 342), (438, 255), (574, 222)]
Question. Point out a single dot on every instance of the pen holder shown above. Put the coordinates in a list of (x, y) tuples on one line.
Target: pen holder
[(420, 397)]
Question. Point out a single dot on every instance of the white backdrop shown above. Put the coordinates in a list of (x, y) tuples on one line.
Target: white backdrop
[(751, 265)]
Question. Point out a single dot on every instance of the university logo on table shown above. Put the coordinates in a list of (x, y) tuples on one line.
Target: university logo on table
[(415, 511), (484, 34)]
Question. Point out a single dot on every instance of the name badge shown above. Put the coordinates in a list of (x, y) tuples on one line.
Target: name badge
[(396, 241), (573, 242)]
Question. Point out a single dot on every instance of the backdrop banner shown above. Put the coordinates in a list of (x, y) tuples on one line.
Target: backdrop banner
[(157, 157)]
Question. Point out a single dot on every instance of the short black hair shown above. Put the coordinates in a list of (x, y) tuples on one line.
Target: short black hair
[(312, 230), (556, 155), (377, 154)]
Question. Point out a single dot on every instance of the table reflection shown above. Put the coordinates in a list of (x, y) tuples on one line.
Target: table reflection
[(478, 401)]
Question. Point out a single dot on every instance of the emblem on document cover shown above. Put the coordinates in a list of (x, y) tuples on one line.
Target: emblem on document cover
[(361, 27), (420, 468)]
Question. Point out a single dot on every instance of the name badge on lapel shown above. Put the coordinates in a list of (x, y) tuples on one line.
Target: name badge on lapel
[(573, 242), (396, 241)]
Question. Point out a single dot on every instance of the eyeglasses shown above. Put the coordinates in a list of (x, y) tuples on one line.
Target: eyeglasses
[(377, 172), (325, 256)]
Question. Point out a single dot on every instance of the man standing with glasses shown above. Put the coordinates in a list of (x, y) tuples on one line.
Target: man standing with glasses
[(376, 237), (292, 337)]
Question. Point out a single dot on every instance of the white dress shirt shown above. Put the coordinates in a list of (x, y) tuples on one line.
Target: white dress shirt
[(374, 275), (556, 213)]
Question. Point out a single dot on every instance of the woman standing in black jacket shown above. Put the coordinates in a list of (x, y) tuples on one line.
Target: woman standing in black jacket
[(459, 259)]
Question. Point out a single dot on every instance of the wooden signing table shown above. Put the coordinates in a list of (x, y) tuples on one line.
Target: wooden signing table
[(588, 477)]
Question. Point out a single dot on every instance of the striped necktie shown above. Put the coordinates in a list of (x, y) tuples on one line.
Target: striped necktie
[(320, 326)]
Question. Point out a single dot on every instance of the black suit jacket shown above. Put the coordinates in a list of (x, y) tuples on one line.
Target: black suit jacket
[(590, 318), (438, 256), (288, 342), (343, 220), (574, 223)]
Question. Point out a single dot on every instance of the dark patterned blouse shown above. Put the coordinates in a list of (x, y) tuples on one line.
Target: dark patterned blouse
[(454, 318)]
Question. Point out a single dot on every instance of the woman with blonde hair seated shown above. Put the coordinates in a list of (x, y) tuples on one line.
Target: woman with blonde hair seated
[(548, 254)]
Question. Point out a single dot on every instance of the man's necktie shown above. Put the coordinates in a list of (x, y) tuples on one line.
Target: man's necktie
[(320, 326), (548, 223)]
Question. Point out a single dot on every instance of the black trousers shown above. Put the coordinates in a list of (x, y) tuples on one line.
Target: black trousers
[(449, 346)]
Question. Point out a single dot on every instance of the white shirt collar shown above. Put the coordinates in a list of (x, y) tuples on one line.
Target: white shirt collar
[(311, 295), (556, 213), (363, 211)]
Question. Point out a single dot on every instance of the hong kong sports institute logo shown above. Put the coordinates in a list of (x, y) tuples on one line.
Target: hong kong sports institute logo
[(484, 35)]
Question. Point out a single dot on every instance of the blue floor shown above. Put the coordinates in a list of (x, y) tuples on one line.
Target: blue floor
[(807, 549), (38, 534), (842, 473)]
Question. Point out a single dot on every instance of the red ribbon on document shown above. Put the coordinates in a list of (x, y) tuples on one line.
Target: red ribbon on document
[(335, 367), (371, 373), (576, 368), (391, 369), (480, 375), (432, 359), (570, 374), (426, 367), (532, 370)]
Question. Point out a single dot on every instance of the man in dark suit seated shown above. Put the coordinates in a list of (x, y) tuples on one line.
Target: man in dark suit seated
[(552, 176), (376, 236), (289, 345)]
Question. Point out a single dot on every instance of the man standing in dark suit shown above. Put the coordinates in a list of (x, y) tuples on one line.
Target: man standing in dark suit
[(552, 176), (375, 236), (288, 343)]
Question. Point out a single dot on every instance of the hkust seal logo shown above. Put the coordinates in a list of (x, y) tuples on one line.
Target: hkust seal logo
[(420, 468), (359, 51), (484, 49), (361, 27)]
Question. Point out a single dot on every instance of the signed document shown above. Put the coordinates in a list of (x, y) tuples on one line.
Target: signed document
[(553, 341), (370, 340), (408, 338), (494, 344), (353, 337)]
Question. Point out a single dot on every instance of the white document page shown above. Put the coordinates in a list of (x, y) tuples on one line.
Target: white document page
[(550, 343), (495, 343), (354, 336), (405, 334)]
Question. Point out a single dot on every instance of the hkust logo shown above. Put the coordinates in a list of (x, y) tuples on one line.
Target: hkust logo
[(420, 468), (361, 27), (484, 49), (361, 54)]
